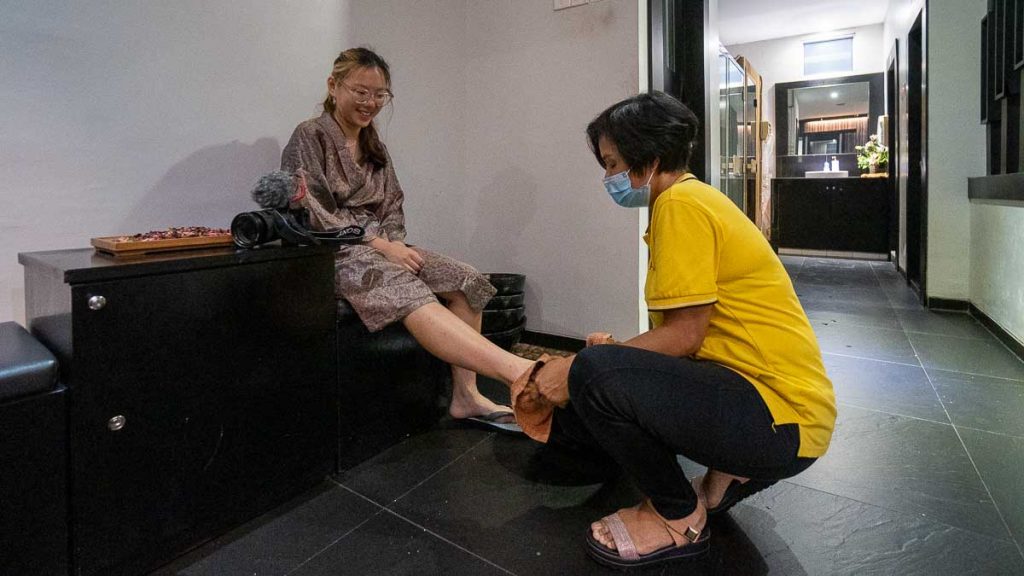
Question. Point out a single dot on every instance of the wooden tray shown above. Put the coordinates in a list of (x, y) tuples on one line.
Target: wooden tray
[(110, 245)]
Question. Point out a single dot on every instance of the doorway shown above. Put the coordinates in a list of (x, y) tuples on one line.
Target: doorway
[(917, 154), (677, 58), (892, 140)]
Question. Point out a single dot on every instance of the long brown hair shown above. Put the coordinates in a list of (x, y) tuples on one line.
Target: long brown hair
[(346, 62)]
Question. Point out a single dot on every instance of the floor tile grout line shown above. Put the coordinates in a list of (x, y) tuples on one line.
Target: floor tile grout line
[(918, 365), (877, 411), (449, 542), (489, 436), (403, 494), (921, 365), (342, 537), (989, 337), (989, 376), (906, 513), (924, 333), (983, 431), (970, 458), (972, 428), (425, 529)]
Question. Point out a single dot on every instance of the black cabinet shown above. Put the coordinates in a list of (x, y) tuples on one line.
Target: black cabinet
[(838, 214), (201, 391)]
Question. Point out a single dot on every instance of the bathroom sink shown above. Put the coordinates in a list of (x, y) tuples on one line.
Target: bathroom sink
[(824, 174)]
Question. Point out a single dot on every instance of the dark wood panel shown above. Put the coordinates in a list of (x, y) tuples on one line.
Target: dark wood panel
[(1018, 35), (984, 70), (223, 366), (997, 189), (999, 49), (839, 214)]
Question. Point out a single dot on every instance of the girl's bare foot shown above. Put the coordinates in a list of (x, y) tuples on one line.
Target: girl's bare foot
[(471, 403)]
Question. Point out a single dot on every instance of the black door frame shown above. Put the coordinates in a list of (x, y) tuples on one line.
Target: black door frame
[(917, 153), (678, 63), (892, 111)]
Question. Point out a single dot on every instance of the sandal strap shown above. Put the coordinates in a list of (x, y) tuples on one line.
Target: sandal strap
[(688, 536), (623, 541)]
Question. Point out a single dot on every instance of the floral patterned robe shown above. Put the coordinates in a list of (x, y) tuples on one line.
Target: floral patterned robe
[(343, 193)]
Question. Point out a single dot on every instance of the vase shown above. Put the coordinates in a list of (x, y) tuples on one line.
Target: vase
[(872, 168)]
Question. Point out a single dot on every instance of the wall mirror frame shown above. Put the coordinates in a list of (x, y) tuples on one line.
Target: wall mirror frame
[(790, 165)]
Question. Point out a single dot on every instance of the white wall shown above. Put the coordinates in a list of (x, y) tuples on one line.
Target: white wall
[(119, 117), (535, 78), (997, 265), (488, 138), (956, 139), (424, 129)]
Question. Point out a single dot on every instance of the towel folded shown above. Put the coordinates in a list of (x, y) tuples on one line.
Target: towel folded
[(536, 393)]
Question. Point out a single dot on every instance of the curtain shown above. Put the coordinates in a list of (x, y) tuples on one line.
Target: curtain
[(859, 124)]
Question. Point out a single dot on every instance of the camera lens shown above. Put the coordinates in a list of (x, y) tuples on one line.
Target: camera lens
[(250, 229)]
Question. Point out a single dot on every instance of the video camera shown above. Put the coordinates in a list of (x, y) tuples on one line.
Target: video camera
[(275, 192)]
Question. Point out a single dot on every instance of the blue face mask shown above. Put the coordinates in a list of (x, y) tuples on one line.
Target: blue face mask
[(622, 192)]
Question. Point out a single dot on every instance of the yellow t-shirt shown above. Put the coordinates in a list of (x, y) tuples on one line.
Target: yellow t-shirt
[(704, 250)]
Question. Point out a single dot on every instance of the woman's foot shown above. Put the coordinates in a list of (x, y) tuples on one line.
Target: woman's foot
[(649, 530), (711, 487), (720, 491)]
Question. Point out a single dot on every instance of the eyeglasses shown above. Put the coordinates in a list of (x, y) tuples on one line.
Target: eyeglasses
[(362, 95)]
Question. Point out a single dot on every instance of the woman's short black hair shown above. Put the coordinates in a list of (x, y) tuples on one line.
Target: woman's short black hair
[(645, 128)]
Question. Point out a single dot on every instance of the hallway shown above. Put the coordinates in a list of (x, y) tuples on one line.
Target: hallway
[(924, 475)]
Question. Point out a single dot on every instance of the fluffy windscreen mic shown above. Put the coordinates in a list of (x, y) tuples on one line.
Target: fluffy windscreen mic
[(274, 190)]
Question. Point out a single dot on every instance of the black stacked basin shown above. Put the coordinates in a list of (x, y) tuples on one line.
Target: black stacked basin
[(504, 316)]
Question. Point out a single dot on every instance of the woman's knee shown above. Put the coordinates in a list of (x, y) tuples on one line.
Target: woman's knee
[(593, 371)]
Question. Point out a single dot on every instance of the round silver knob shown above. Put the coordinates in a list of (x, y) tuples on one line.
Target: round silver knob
[(116, 423), (97, 302)]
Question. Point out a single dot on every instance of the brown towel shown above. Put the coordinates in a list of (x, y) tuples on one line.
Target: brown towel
[(535, 395), (533, 413)]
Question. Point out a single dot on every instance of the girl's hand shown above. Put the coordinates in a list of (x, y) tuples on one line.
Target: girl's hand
[(402, 255), (596, 338)]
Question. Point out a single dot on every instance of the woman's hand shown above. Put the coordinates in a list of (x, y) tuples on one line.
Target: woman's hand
[(400, 254), (596, 338)]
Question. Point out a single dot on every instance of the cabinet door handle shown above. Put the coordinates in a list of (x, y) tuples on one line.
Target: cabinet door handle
[(97, 302), (116, 423)]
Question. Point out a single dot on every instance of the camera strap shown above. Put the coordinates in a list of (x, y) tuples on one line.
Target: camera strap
[(291, 231)]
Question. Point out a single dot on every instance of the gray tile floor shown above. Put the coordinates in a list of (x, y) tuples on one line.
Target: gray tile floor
[(925, 474)]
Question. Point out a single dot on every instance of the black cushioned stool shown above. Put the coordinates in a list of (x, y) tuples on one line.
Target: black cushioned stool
[(33, 457), (389, 387)]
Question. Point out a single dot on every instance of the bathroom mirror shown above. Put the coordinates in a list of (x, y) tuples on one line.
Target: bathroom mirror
[(824, 118), (828, 119)]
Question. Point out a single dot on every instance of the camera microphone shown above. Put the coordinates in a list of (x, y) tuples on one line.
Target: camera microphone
[(275, 190)]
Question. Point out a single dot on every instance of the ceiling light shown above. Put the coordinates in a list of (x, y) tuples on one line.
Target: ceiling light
[(834, 95)]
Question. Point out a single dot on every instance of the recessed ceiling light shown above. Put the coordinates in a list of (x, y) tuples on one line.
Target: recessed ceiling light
[(834, 95)]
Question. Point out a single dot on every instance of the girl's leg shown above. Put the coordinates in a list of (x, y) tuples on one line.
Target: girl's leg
[(467, 401), (451, 339)]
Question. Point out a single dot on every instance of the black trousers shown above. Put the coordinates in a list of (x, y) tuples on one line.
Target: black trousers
[(641, 409)]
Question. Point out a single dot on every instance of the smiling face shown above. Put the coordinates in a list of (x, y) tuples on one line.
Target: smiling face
[(353, 116)]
